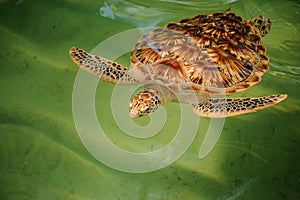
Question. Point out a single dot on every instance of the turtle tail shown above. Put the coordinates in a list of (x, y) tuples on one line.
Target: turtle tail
[(222, 107), (261, 25)]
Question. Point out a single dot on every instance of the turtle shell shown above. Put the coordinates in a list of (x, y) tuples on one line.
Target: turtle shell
[(216, 53)]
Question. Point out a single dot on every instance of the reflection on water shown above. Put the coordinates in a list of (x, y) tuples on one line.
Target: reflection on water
[(42, 155), (151, 13), (139, 15), (285, 71)]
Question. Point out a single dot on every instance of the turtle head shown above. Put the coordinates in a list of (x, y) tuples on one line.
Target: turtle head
[(144, 103)]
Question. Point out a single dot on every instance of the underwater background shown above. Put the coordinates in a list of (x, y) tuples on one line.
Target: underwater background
[(42, 156)]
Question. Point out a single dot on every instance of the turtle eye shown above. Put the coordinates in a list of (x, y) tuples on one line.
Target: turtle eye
[(145, 106), (144, 109)]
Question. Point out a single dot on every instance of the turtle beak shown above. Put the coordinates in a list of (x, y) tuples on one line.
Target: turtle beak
[(138, 111), (133, 114)]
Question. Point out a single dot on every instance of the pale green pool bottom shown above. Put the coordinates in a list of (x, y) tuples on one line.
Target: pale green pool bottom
[(42, 156)]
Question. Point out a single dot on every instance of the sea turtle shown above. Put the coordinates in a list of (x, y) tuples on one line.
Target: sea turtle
[(197, 61)]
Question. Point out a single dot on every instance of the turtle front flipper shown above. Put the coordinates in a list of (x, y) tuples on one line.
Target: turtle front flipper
[(223, 107), (102, 68)]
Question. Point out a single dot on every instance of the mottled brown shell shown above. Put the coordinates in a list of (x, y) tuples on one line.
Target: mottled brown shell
[(212, 53)]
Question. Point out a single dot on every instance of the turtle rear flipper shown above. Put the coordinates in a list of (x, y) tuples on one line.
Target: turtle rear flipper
[(222, 107), (261, 24)]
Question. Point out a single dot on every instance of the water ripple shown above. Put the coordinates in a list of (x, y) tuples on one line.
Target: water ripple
[(285, 71), (143, 14), (136, 14)]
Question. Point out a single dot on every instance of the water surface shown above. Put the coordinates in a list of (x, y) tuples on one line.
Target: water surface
[(42, 156)]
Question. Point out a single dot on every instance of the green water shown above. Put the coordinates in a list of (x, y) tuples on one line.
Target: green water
[(42, 156)]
